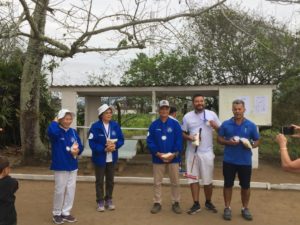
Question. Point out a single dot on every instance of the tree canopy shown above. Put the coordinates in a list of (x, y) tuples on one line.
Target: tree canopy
[(80, 25), (162, 69), (223, 46)]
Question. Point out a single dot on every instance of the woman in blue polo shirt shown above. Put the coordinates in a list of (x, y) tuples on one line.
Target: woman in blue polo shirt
[(105, 138)]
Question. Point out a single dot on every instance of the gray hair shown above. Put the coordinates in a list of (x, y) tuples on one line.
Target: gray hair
[(238, 102)]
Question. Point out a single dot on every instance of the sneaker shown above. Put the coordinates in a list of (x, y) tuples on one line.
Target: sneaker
[(210, 206), (246, 214), (57, 220), (194, 209), (109, 205), (227, 214), (176, 208), (156, 208), (69, 218), (100, 206)]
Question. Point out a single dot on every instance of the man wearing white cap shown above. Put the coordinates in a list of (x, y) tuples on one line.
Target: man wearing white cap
[(66, 146), (165, 144), (105, 138)]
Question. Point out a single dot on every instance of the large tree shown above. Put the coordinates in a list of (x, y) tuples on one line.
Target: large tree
[(223, 46), (286, 100), (234, 47), (80, 24)]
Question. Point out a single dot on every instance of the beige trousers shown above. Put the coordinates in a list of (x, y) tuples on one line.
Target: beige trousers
[(158, 175)]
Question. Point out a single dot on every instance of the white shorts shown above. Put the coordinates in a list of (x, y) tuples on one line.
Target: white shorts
[(203, 167)]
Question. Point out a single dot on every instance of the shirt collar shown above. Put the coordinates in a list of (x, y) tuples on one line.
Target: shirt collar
[(233, 121), (198, 113)]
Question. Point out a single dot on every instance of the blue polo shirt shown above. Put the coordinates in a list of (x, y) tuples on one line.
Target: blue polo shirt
[(164, 137), (238, 154)]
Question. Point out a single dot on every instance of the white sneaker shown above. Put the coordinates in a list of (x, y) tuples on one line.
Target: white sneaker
[(109, 205), (100, 206)]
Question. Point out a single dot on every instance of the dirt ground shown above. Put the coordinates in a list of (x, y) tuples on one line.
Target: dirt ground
[(133, 202), (140, 166)]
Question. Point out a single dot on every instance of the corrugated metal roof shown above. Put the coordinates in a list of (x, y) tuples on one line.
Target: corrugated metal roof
[(139, 86)]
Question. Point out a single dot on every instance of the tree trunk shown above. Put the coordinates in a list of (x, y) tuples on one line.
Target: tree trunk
[(119, 113), (32, 146)]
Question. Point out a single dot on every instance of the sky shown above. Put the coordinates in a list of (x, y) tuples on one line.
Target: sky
[(76, 70)]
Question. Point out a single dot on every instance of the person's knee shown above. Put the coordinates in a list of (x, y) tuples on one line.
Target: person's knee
[(228, 183), (245, 185)]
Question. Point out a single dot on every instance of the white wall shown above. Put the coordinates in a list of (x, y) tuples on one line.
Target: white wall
[(258, 107), (258, 103)]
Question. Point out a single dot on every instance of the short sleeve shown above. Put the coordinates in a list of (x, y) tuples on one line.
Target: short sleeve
[(216, 119), (221, 131)]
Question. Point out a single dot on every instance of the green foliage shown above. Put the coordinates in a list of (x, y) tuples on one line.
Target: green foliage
[(135, 121), (269, 149), (80, 112), (10, 81), (286, 108), (233, 47), (162, 69), (221, 47), (49, 105), (9, 99)]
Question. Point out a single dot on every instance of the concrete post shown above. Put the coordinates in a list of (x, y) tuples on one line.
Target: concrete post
[(92, 103), (255, 160), (153, 105)]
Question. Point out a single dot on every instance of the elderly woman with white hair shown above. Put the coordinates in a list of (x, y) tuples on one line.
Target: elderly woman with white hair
[(105, 138), (66, 146)]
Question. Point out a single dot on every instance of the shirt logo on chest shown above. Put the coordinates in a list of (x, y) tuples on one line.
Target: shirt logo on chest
[(169, 130)]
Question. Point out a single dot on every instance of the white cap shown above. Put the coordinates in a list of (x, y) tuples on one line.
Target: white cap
[(164, 103), (61, 114), (103, 108)]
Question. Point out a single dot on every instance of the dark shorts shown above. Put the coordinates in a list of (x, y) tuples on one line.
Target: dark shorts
[(230, 171)]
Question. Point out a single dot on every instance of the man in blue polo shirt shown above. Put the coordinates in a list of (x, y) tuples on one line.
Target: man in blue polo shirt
[(165, 144), (239, 135)]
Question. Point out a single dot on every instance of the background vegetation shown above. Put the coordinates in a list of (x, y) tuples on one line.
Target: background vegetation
[(223, 46)]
